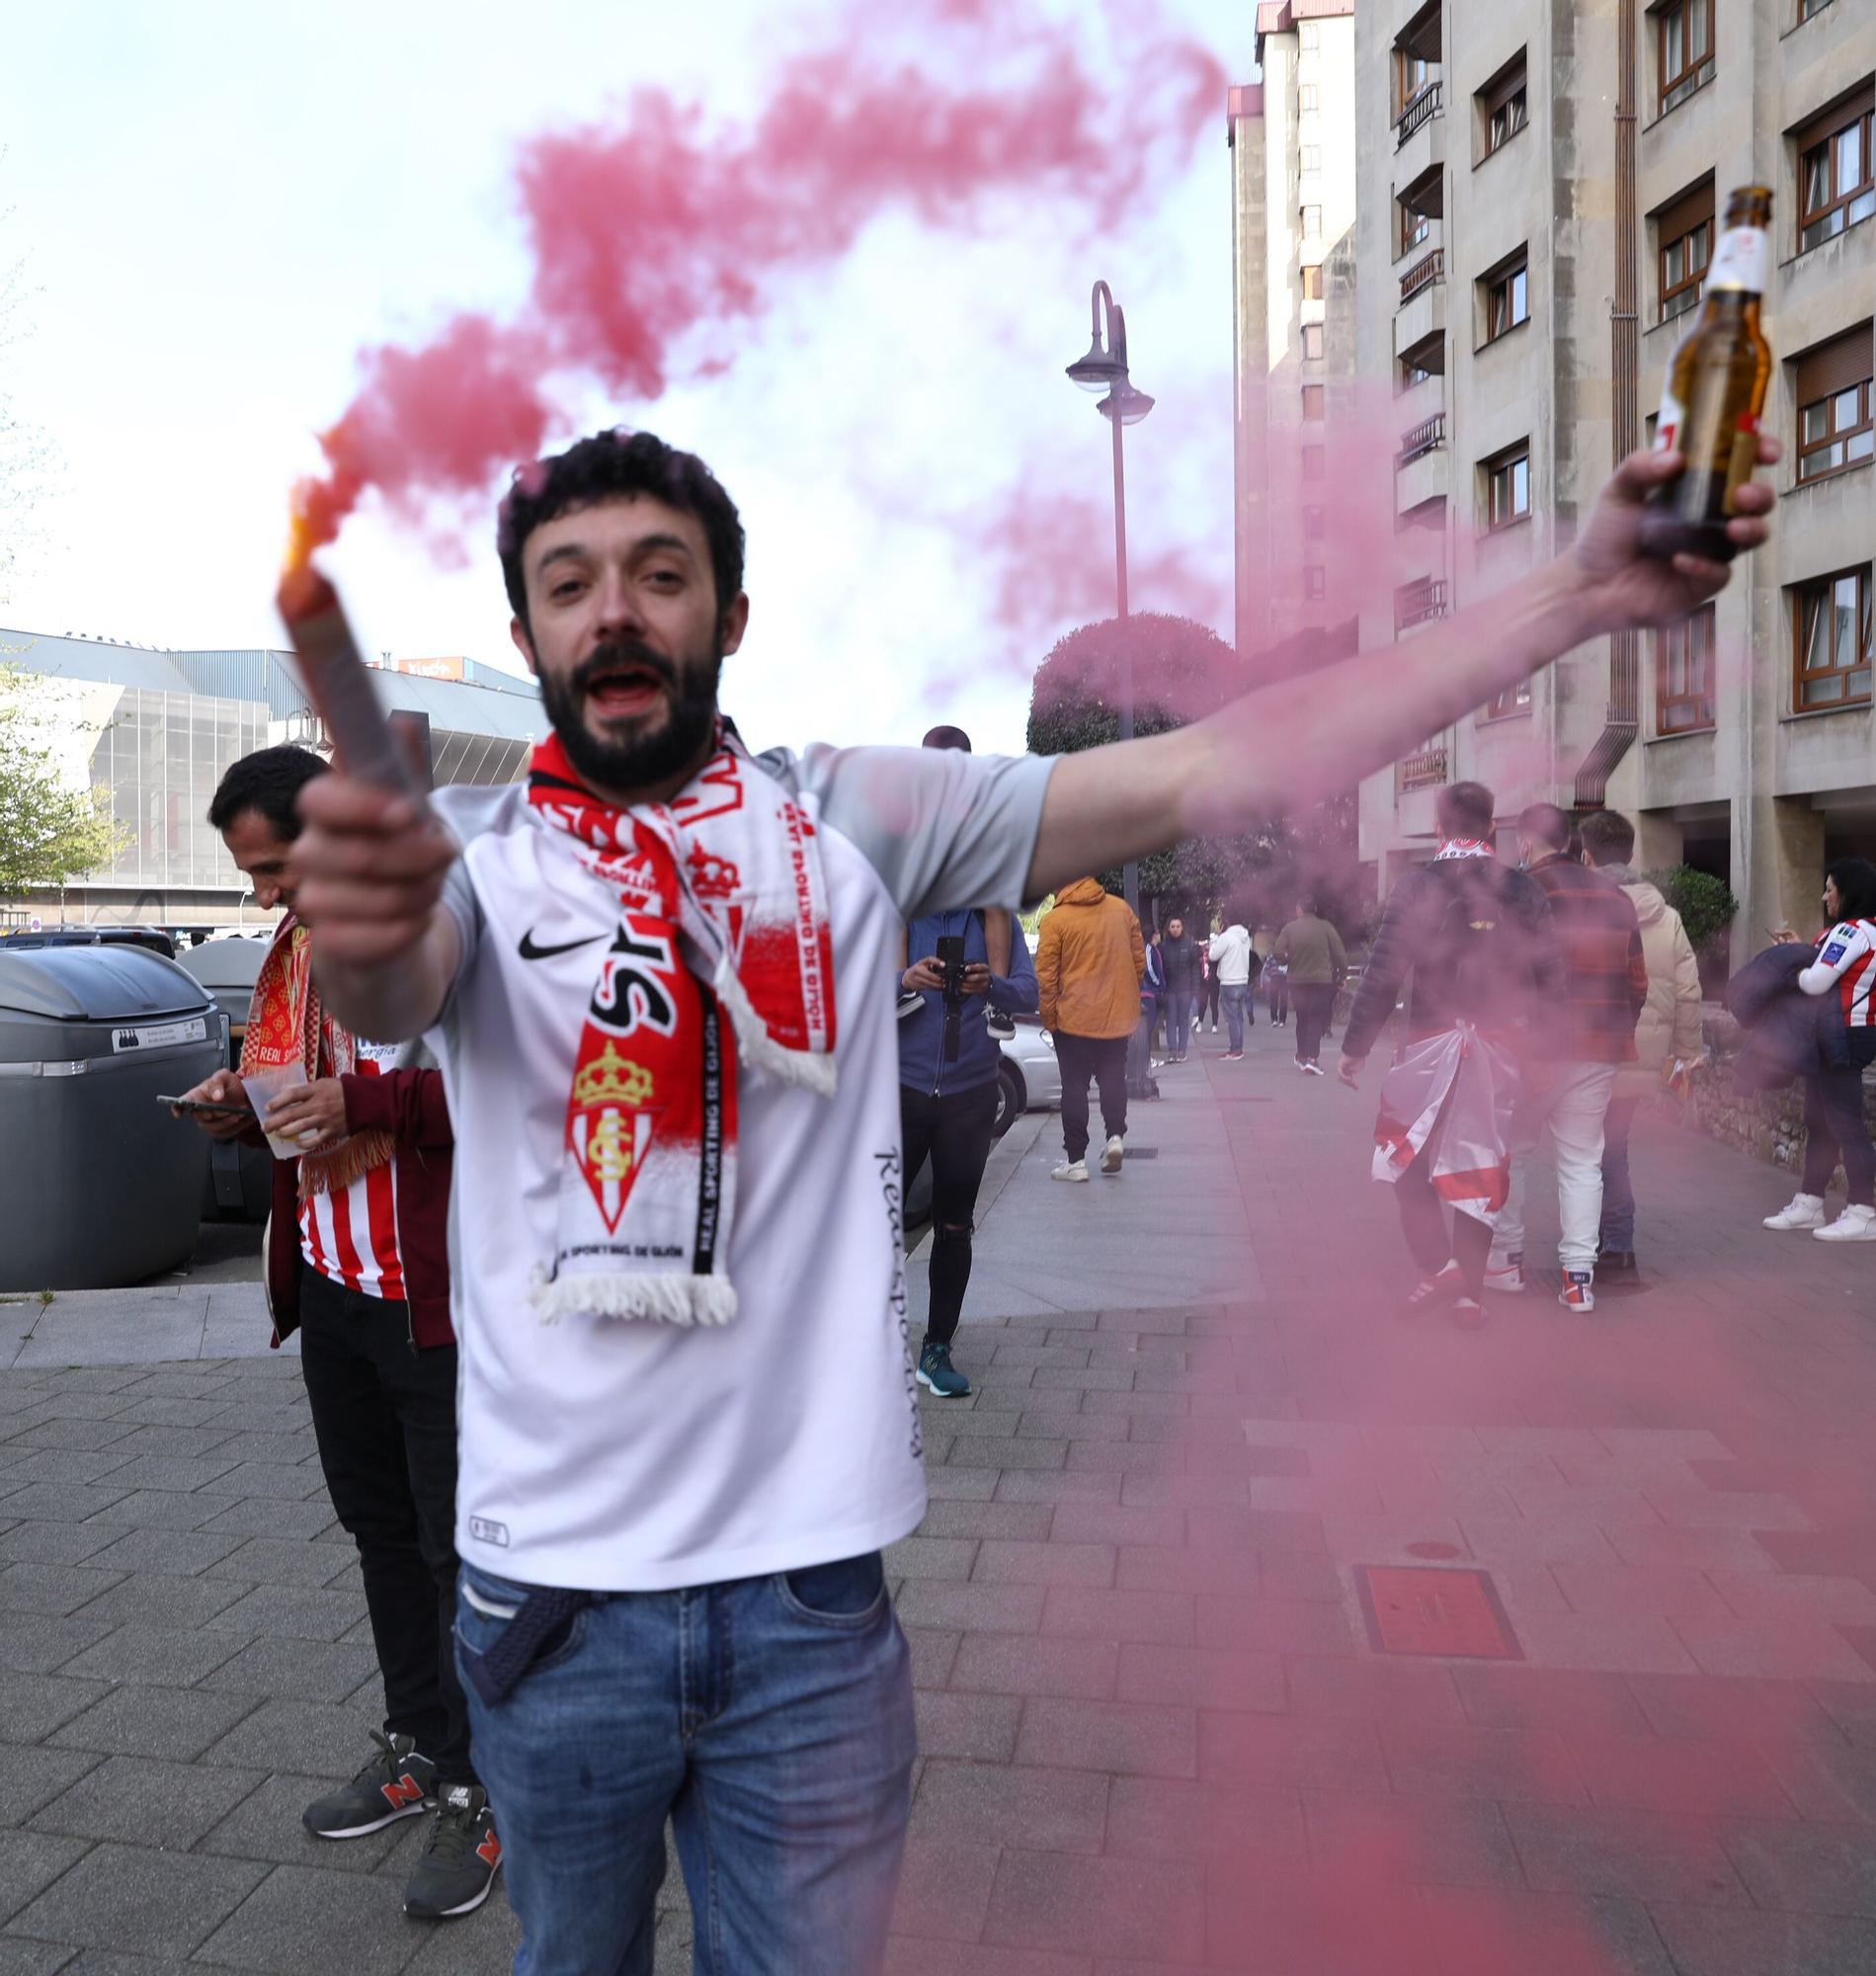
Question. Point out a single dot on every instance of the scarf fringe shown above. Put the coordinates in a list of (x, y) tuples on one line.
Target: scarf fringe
[(756, 1047), (660, 1299)]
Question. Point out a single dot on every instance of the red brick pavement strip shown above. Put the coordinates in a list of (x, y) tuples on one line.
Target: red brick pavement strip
[(1157, 1738)]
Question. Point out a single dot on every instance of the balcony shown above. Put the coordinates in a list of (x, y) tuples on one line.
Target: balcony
[(1423, 274), (1421, 311), (1420, 603), (1424, 771), (1420, 136), (1428, 433)]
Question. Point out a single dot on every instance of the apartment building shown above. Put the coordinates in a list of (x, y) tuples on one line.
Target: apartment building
[(1293, 138), (1546, 204)]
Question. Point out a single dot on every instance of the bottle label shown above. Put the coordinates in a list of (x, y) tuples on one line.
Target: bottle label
[(1740, 261), (1741, 459), (1674, 415)]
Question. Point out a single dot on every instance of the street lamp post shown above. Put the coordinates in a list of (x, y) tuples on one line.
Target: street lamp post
[(1105, 368)]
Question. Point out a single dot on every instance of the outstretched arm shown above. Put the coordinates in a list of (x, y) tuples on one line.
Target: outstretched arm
[(1273, 750)]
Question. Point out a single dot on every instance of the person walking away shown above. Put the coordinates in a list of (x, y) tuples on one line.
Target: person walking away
[(1277, 985), (1577, 1051), (689, 1422), (1178, 963), (1475, 941), (1311, 950), (1230, 955), (1837, 1123), (1667, 1038), (949, 1068), (1090, 963), (357, 1261)]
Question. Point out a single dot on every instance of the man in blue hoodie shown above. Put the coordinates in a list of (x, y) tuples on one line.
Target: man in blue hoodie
[(948, 1103)]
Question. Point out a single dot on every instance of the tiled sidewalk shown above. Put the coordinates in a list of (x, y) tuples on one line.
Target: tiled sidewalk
[(1158, 1734)]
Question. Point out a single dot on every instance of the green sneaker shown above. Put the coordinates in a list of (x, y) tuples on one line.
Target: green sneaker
[(936, 1371), (396, 1783), (457, 1866)]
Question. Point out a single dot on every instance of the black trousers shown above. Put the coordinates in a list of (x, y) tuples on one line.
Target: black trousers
[(1105, 1059), (386, 1418), (953, 1129), (1314, 1003), (1208, 998), (1423, 1223), (1834, 1126)]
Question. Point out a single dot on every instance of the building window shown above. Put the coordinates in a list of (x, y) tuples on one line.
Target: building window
[(1684, 40), (1419, 366), (1312, 222), (1683, 674), (1312, 341), (1314, 582), (1684, 231), (1414, 227), (1508, 487), (1502, 106), (1507, 299), (1514, 700), (1830, 633), (1831, 386), (1308, 98), (1309, 37), (1806, 8), (1312, 401), (1312, 158), (1315, 524), (1836, 175), (1313, 283), (1312, 463), (1413, 77)]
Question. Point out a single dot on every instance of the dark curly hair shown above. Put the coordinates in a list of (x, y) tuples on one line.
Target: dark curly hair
[(620, 463), (269, 781)]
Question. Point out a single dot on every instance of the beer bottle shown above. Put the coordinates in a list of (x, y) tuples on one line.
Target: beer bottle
[(1715, 392)]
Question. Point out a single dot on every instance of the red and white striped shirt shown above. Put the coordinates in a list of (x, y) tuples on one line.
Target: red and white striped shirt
[(350, 1237), (1847, 961)]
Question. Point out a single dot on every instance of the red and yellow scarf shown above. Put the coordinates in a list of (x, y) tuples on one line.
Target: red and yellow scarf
[(717, 906), (287, 1024)]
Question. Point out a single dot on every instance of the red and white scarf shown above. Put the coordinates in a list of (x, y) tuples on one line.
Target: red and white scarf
[(287, 1024), (1456, 1089), (721, 908), (1464, 847)]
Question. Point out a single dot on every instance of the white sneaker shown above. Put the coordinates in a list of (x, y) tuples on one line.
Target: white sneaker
[(1214, 1028), (1507, 1277), (1314, 1069), (1806, 1211), (1071, 1169), (1855, 1224), (1113, 1156)]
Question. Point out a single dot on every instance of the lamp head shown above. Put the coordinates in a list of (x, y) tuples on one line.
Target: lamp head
[(1097, 370), (1124, 403)]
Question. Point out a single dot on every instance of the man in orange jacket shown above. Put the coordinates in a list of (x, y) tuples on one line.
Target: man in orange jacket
[(1089, 962)]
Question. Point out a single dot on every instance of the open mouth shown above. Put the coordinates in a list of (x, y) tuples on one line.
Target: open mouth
[(625, 691)]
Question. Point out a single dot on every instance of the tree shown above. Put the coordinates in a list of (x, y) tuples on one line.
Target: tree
[(48, 833), (1181, 672)]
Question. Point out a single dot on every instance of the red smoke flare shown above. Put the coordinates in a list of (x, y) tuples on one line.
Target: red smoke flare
[(653, 225)]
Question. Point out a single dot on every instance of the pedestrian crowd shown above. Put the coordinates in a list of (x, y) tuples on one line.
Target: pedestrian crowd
[(597, 1103)]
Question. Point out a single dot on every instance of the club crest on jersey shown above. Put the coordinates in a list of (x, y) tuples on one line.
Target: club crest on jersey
[(611, 1127)]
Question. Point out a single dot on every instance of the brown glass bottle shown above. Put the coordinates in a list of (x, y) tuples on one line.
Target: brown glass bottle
[(1715, 392)]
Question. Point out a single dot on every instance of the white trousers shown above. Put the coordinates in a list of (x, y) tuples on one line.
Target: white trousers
[(1563, 1105)]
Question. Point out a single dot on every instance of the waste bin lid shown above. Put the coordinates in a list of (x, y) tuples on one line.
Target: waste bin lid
[(111, 984), (225, 963)]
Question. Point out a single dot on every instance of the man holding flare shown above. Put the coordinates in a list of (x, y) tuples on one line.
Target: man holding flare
[(688, 1418)]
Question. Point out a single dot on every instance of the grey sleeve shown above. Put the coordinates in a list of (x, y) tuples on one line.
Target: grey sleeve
[(945, 831), (458, 889)]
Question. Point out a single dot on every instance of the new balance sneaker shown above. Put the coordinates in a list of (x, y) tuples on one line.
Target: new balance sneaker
[(936, 1371), (396, 1783), (1578, 1292), (1803, 1210), (457, 1866), (1855, 1224), (1113, 1154), (1070, 1170), (1507, 1277)]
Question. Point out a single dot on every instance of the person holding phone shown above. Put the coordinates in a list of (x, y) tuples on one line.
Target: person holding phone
[(971, 964), (358, 1262)]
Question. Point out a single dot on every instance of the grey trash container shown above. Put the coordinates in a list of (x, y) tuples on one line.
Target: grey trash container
[(98, 1184)]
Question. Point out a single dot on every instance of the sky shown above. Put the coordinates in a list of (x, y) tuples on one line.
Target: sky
[(220, 206)]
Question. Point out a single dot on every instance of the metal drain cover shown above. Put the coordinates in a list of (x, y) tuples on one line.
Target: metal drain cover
[(1419, 1610)]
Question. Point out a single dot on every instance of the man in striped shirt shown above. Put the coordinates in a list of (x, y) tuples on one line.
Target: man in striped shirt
[(358, 1262)]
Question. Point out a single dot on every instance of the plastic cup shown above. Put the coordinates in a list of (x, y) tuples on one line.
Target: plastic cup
[(262, 1086)]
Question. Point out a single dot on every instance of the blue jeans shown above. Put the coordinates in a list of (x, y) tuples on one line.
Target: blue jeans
[(1179, 1020), (1234, 995), (769, 1718), (1618, 1187)]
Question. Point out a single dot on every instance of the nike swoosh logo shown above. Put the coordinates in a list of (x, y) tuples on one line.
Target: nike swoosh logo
[(529, 952)]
